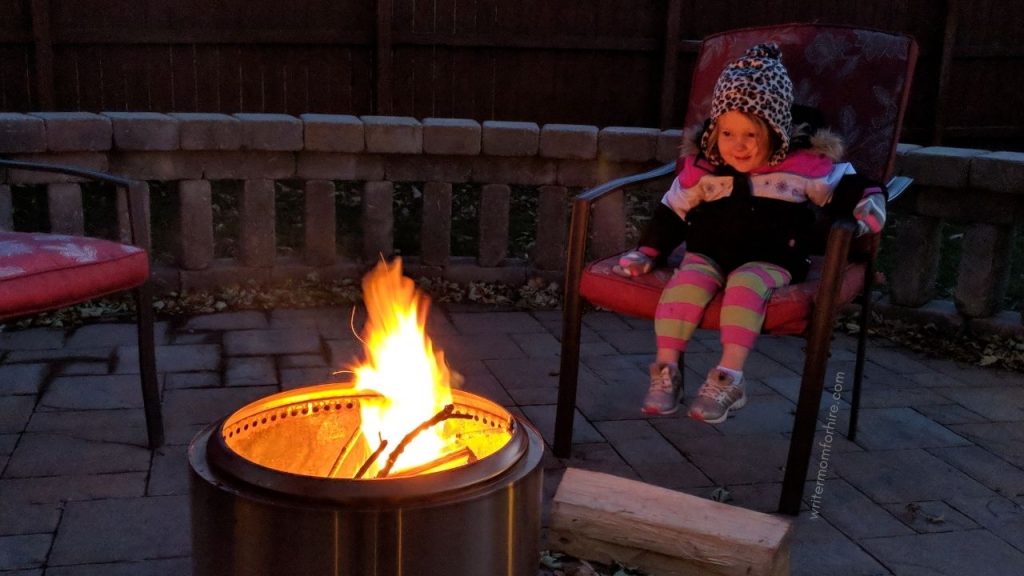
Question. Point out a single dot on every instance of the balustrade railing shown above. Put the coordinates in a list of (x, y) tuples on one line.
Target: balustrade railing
[(193, 155)]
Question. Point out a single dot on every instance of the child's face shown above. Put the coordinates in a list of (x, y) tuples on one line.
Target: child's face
[(742, 143)]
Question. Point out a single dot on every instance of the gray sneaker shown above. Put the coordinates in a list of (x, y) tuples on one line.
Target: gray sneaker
[(665, 392), (716, 397)]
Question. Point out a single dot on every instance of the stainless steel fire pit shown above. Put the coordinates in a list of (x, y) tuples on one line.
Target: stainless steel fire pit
[(281, 487)]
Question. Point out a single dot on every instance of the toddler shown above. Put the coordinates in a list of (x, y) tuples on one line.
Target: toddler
[(742, 203)]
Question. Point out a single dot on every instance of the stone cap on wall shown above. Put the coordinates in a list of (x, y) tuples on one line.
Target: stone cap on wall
[(527, 142)]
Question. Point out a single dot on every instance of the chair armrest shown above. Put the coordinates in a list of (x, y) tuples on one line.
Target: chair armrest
[(602, 190), (136, 192)]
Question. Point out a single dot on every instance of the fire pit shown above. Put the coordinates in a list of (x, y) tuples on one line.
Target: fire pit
[(394, 473)]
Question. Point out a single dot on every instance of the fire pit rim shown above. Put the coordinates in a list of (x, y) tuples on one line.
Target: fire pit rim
[(226, 461)]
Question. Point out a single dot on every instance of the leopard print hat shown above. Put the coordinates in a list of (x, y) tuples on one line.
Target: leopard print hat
[(756, 83)]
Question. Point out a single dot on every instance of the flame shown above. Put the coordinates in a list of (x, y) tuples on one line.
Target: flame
[(402, 366)]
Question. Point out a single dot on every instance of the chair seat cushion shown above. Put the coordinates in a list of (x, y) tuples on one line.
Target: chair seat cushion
[(789, 309), (41, 272)]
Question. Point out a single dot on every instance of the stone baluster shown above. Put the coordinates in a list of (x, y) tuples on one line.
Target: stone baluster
[(918, 240), (552, 226), (607, 228), (257, 226), (320, 246), (984, 269), (495, 200), (65, 205), (195, 227), (378, 220), (436, 231)]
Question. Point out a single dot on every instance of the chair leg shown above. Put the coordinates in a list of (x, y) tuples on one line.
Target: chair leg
[(568, 376), (862, 343), (147, 366), (804, 425)]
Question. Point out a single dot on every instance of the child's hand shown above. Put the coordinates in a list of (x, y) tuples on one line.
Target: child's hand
[(870, 212), (633, 263)]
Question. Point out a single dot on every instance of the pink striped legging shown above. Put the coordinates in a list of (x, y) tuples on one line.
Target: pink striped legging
[(695, 283)]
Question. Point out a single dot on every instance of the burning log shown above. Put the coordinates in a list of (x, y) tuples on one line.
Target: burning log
[(610, 519)]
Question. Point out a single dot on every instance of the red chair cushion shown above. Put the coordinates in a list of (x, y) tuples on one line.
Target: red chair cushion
[(789, 309), (41, 272)]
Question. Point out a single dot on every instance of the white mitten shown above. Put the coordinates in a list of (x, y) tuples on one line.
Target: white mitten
[(633, 263), (870, 212)]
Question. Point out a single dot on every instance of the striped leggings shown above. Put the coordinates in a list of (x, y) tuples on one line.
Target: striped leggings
[(695, 283)]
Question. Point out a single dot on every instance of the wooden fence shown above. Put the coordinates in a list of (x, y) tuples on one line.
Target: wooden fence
[(601, 62)]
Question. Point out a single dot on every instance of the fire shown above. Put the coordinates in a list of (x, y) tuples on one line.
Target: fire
[(413, 380)]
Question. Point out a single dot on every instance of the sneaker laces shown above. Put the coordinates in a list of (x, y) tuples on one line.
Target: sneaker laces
[(715, 388), (662, 382)]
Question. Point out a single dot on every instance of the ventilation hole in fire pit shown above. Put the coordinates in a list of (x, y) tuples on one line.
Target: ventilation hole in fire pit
[(316, 409), (348, 405), (264, 421)]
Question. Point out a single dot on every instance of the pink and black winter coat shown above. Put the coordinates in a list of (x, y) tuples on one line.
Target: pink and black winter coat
[(766, 215)]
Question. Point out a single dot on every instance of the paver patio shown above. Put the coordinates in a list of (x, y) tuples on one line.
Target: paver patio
[(934, 483)]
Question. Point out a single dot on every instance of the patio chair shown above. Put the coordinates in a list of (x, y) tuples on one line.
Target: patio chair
[(48, 271), (860, 80)]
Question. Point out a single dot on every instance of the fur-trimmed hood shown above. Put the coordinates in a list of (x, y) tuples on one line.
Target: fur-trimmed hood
[(803, 136)]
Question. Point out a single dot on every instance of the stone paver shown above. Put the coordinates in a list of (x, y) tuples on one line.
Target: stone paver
[(24, 551), (933, 484), (22, 378), (819, 548), (985, 467), (905, 476), (974, 552), (283, 341), (654, 458), (15, 412), (44, 454), (122, 529), (897, 428), (93, 392), (933, 516), (256, 371), (853, 513), (179, 358)]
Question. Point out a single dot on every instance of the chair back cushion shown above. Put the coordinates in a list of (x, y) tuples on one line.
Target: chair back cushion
[(789, 308), (859, 79), (40, 272)]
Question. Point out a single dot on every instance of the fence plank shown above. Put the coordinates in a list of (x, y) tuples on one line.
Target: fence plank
[(43, 53)]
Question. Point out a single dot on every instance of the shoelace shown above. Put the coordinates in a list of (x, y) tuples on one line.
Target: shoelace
[(716, 390), (663, 381)]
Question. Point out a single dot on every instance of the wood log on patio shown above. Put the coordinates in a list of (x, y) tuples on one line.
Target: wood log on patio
[(608, 519)]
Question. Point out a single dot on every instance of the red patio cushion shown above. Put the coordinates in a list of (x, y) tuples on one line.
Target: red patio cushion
[(48, 271), (789, 309)]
